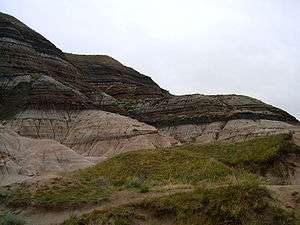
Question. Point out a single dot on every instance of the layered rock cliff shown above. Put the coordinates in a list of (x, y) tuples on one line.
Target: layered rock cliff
[(115, 79), (95, 106), (43, 76), (36, 74)]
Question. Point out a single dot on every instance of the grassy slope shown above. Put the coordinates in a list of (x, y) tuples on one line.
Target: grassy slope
[(236, 203), (141, 170), (191, 164)]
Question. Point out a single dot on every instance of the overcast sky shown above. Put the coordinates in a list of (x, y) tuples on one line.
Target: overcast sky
[(249, 47)]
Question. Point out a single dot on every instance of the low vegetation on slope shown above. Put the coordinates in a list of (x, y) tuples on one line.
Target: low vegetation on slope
[(142, 170), (259, 155), (236, 203), (9, 218)]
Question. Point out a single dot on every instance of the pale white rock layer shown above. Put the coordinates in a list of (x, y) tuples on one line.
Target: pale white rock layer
[(233, 130), (89, 132), (21, 157)]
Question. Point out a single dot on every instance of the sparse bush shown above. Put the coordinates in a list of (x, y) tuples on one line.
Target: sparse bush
[(35, 76), (9, 218), (59, 194), (138, 185), (144, 189), (117, 216), (3, 195)]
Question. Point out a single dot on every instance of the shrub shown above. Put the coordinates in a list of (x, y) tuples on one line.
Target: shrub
[(9, 218), (35, 76)]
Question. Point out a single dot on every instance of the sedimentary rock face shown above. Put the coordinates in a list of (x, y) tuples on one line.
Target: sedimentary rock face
[(22, 158), (87, 108)]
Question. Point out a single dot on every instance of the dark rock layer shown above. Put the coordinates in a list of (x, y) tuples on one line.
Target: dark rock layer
[(35, 74), (119, 81), (201, 109)]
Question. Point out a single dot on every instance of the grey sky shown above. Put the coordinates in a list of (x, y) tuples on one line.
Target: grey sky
[(249, 47)]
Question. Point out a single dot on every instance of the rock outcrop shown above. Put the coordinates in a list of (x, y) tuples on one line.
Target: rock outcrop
[(42, 76), (228, 131), (22, 158), (93, 106), (203, 109), (36, 74), (89, 132), (115, 79)]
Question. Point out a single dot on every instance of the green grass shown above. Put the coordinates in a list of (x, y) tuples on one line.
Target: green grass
[(102, 59), (60, 193), (242, 202), (137, 171), (117, 216), (255, 155), (35, 76), (252, 152), (9, 218), (141, 170), (233, 204), (192, 164), (157, 167), (256, 151)]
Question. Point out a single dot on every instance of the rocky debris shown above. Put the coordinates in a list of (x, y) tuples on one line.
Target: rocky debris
[(22, 158), (89, 132)]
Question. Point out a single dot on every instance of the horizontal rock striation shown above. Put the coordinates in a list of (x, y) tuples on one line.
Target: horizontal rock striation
[(56, 109), (229, 131), (16, 31), (40, 76), (119, 81), (203, 109), (40, 81), (35, 74)]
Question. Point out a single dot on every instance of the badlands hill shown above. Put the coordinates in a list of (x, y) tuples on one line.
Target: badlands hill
[(73, 134)]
